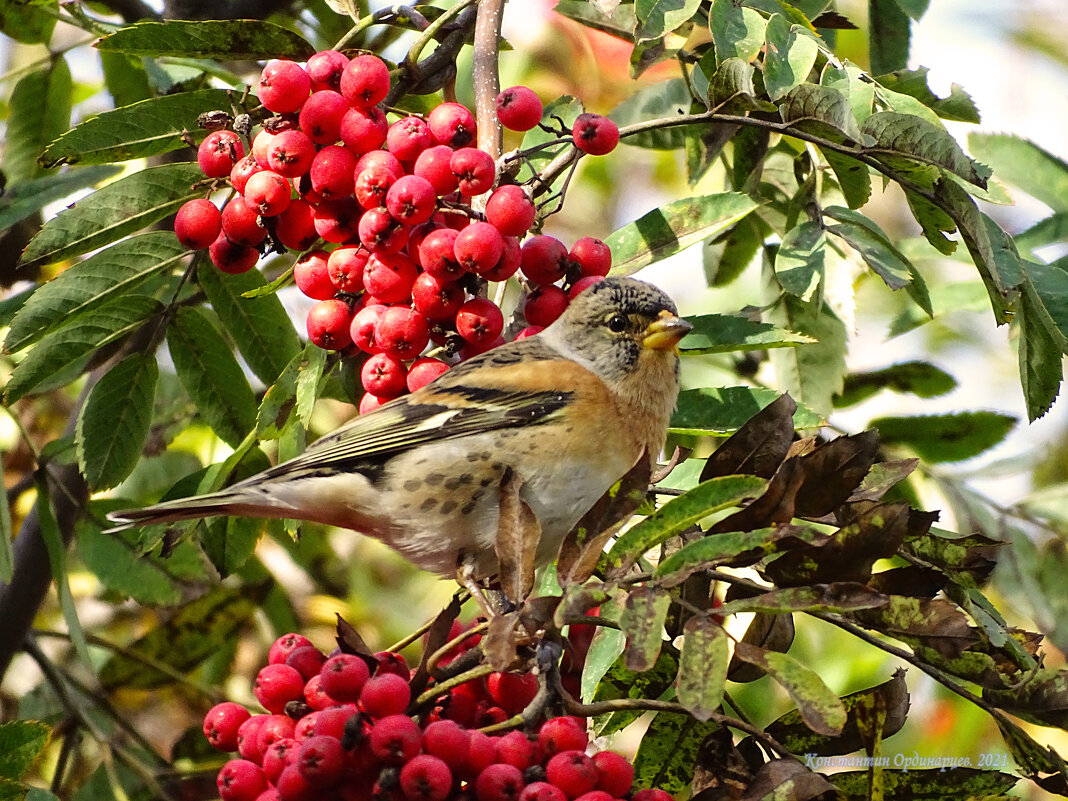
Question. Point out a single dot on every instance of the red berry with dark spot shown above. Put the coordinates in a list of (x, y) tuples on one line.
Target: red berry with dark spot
[(395, 739), (515, 748), (324, 69), (284, 646), (435, 164), (295, 227), (343, 676), (479, 321), (512, 691), (452, 124), (277, 685), (308, 661), (278, 757), (437, 257), (380, 158), (292, 786), (544, 304), (219, 152), (345, 267), (332, 172), (392, 662), (267, 192), (363, 326), (544, 259), (372, 184), (385, 694), (595, 134), (390, 276), (283, 87), (380, 233), (314, 694), (241, 223), (474, 170), (329, 323), (337, 220), (197, 223), (248, 737), (321, 760), (241, 171), (592, 256), (508, 264), (365, 81), (384, 376), (510, 210), (231, 257), (408, 137), (562, 734), (435, 299), (615, 774), (222, 723), (499, 782), (320, 118), (411, 200), (519, 108), (425, 778), (571, 771), (478, 247), (240, 780), (403, 333), (363, 130), (274, 728)]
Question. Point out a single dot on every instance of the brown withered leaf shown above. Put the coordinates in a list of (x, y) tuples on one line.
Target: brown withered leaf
[(642, 620), (518, 533), (720, 772), (774, 506), (833, 470), (350, 641), (936, 623), (973, 554), (914, 580), (759, 446), (499, 644), (436, 637), (1042, 698), (770, 632), (577, 601), (582, 546), (788, 778), (874, 533), (882, 477)]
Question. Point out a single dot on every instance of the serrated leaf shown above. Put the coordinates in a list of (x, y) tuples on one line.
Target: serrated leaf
[(820, 709), (642, 620), (21, 743), (737, 31), (227, 39), (39, 111), (888, 36), (722, 410), (732, 547), (1040, 352), (680, 513), (91, 283), (821, 109), (311, 373), (659, 17), (230, 541), (957, 106), (112, 212), (77, 340), (27, 23), (113, 424), (667, 230), (854, 83), (730, 89), (259, 326), (147, 128), (278, 401), (723, 263), (790, 52), (799, 260), (946, 437), (934, 222), (921, 379), (724, 333), (812, 374), (912, 137), (28, 197), (854, 177), (884, 260), (211, 375), (668, 752), (1025, 164), (702, 667)]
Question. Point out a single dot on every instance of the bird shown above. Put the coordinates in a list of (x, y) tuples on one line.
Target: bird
[(567, 412)]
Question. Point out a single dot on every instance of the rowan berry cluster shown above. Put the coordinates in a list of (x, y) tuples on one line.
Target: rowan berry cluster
[(399, 224), (339, 727)]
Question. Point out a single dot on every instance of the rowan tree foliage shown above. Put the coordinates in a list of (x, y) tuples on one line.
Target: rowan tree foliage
[(741, 609)]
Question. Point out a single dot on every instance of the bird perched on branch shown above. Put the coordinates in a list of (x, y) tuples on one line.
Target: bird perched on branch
[(558, 417)]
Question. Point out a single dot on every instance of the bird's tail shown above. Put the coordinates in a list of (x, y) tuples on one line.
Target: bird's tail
[(225, 502)]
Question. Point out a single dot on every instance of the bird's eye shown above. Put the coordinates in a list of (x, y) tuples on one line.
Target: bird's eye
[(617, 323)]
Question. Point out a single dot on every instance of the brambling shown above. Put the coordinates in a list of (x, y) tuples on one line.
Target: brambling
[(569, 411)]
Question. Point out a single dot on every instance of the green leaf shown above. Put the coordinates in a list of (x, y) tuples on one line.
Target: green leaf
[(230, 541), (311, 373), (1040, 348), (933, 221), (726, 257), (77, 340), (662, 100), (113, 424), (618, 682), (820, 110), (106, 275), (737, 31), (659, 17), (681, 513), (112, 212), (39, 111), (642, 620), (853, 176), (921, 379), (148, 128), (962, 296), (27, 23), (820, 709), (1022, 163), (852, 82), (211, 375), (842, 596), (812, 374), (1030, 575), (125, 78), (563, 111), (909, 136), (888, 36), (945, 437), (21, 743), (731, 87), (869, 240), (234, 39), (665, 231), (731, 547), (1047, 231), (790, 53), (620, 21), (28, 197), (799, 260), (605, 649), (668, 751), (702, 667), (259, 326), (939, 782), (958, 106), (279, 400), (721, 410), (724, 333)]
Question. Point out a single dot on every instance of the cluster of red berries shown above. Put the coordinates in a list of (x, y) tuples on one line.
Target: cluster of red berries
[(336, 728), (393, 250)]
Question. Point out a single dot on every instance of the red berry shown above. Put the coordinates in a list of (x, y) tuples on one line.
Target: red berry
[(230, 257), (390, 276), (278, 756), (392, 662), (380, 233), (515, 748), (290, 153), (411, 200), (324, 69), (395, 739), (510, 210), (321, 760), (652, 794), (423, 371), (284, 646), (222, 722), (582, 285), (219, 152), (425, 778), (363, 130), (337, 220), (447, 740), (562, 734), (596, 795), (363, 327), (295, 227), (452, 124), (321, 116), (436, 254), (385, 694), (242, 169), (329, 322), (512, 691), (403, 333), (481, 751), (369, 402), (248, 737), (615, 774), (592, 256), (529, 331), (519, 108), (408, 137), (372, 184), (435, 299), (240, 780), (435, 164), (305, 727), (571, 771), (595, 134), (499, 782), (384, 376), (283, 87), (241, 223), (331, 172), (312, 276), (478, 247), (260, 143), (314, 694), (274, 728), (267, 192), (542, 791), (508, 264), (343, 676), (197, 223), (292, 786), (365, 81), (474, 170), (345, 267), (544, 304), (308, 661), (479, 321), (544, 259), (277, 685), (331, 722), (380, 158)]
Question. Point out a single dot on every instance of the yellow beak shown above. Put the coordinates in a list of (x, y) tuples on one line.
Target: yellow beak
[(665, 332)]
